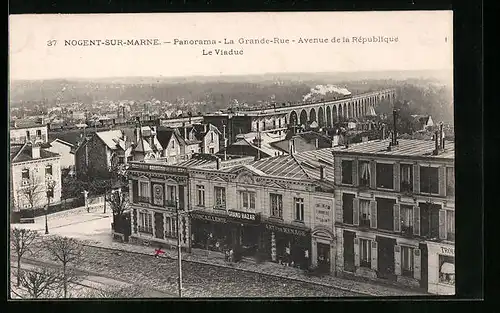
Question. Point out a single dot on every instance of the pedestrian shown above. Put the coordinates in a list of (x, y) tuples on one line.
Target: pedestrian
[(231, 255)]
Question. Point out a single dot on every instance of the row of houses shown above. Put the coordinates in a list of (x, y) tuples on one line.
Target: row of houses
[(381, 209)]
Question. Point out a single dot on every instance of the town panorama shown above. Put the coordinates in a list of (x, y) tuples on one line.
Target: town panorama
[(282, 185)]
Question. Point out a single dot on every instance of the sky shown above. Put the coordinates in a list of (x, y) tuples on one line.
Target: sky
[(424, 42)]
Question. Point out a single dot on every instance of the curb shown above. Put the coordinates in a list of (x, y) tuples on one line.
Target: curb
[(363, 293)]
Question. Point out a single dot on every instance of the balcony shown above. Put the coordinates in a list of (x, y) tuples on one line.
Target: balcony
[(364, 184), (221, 206), (407, 231), (364, 222), (169, 234), (170, 204), (146, 230), (406, 188), (140, 199)]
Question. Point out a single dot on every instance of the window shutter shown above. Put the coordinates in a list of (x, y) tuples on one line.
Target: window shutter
[(416, 178), (397, 260), (416, 220), (417, 274), (355, 211), (373, 214), (355, 172), (356, 252), (442, 181), (442, 224), (373, 175), (374, 255), (397, 219), (396, 176)]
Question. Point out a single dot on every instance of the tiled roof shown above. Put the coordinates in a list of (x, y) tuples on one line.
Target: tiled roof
[(22, 153), (406, 148)]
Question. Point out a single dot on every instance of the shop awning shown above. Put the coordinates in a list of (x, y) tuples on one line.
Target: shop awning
[(448, 268)]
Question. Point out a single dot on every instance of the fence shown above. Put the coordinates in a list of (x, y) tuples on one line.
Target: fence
[(66, 204)]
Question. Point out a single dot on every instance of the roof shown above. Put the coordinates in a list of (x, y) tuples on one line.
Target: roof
[(265, 145), (111, 138), (406, 148), (63, 142), (22, 153), (164, 135), (20, 124)]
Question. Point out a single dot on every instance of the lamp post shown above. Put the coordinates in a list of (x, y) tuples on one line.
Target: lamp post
[(50, 194)]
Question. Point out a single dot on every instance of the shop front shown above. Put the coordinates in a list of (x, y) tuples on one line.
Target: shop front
[(441, 269), (224, 231), (290, 245)]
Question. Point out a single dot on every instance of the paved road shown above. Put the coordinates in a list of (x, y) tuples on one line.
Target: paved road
[(199, 280)]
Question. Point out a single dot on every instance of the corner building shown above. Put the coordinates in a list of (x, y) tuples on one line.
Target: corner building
[(395, 217)]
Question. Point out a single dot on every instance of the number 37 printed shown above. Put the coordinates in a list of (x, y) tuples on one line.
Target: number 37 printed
[(51, 43)]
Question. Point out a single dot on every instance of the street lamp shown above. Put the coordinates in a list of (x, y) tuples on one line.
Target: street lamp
[(50, 194)]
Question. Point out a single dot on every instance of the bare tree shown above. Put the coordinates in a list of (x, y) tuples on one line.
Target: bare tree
[(66, 251), (40, 283), (114, 292), (119, 202), (31, 192), (20, 241)]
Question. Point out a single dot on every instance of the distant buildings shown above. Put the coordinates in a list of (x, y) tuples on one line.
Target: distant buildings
[(422, 122), (26, 131)]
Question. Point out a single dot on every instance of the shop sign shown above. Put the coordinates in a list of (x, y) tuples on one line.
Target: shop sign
[(322, 212), (447, 251), (286, 230), (210, 218), (242, 215)]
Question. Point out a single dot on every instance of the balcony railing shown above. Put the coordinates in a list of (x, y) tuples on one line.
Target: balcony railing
[(143, 229), (364, 184), (406, 230), (169, 234), (406, 188), (140, 199), (170, 203), (220, 206), (364, 222)]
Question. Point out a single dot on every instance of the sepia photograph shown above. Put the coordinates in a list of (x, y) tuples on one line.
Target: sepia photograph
[(231, 155)]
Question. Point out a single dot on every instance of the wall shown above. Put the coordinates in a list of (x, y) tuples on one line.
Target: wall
[(37, 174), (98, 158), (67, 158), (209, 143), (18, 135), (434, 286)]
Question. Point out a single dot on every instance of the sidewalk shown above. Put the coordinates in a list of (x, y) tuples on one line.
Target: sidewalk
[(269, 268)]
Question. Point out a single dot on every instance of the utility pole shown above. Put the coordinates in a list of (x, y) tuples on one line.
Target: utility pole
[(179, 252)]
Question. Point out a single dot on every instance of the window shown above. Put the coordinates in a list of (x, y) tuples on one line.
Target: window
[(279, 123), (143, 192), (450, 181), (27, 135), (407, 261), (121, 160), (170, 227), (365, 253), (429, 181), (364, 213), (220, 197), (39, 134), (450, 225), (385, 213), (429, 219), (364, 173), (212, 136), (406, 178), (385, 176), (171, 194), (145, 222), (48, 169), (347, 208), (406, 215), (247, 200), (447, 269), (212, 151), (201, 195), (173, 144), (276, 205), (25, 174), (299, 209), (346, 172)]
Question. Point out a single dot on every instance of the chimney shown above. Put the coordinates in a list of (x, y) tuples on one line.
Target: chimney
[(322, 173), (436, 140), (217, 160), (205, 128), (394, 132), (35, 151)]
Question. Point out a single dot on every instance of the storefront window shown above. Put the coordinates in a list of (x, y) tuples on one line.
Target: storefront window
[(365, 253), (407, 261), (447, 269), (276, 205)]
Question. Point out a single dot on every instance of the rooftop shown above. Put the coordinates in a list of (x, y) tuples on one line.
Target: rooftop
[(23, 153), (406, 148)]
